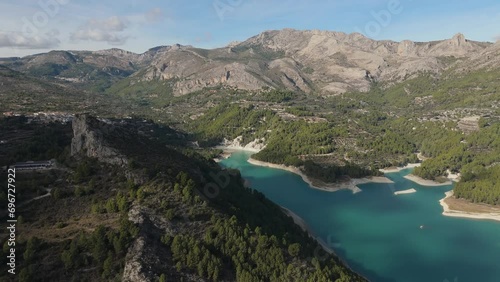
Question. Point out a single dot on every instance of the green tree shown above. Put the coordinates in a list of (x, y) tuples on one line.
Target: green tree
[(294, 249)]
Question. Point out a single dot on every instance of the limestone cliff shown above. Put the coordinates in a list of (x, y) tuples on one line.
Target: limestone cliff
[(88, 140), (323, 62)]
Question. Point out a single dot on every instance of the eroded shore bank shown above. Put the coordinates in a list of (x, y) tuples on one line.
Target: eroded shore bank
[(329, 187), (462, 208)]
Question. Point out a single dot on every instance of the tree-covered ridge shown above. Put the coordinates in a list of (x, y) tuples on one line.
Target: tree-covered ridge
[(227, 120), (362, 135), (334, 173), (96, 217), (476, 156), (286, 141), (450, 90), (247, 237), (234, 234), (480, 186), (60, 232)]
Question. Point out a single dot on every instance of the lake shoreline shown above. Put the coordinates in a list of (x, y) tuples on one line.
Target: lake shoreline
[(398, 169), (447, 211), (324, 245), (351, 185), (426, 182), (228, 150)]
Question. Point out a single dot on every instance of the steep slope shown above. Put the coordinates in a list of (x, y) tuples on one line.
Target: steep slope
[(91, 70), (307, 61), (321, 61), (20, 92), (166, 212), (489, 58), (23, 93), (339, 62), (192, 69)]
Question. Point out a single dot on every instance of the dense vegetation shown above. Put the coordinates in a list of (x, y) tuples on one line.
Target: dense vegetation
[(476, 156), (286, 141), (278, 96), (81, 232), (254, 241), (334, 173), (480, 186), (59, 235), (226, 120), (373, 130)]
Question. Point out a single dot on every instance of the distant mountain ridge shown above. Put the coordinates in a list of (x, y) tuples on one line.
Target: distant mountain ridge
[(324, 62)]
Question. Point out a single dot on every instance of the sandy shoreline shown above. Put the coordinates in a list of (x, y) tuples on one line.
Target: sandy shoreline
[(232, 149), (409, 191), (398, 169), (352, 184), (456, 213), (426, 182), (329, 187), (228, 150), (300, 222)]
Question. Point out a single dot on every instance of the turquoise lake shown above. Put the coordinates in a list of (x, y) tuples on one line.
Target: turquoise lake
[(378, 234)]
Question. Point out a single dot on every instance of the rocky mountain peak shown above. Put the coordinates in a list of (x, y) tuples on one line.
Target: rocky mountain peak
[(406, 48), (327, 62), (458, 39), (357, 36)]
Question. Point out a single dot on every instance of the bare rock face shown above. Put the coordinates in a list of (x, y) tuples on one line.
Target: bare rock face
[(489, 58), (147, 256), (88, 140), (133, 271), (469, 124), (290, 74), (406, 48), (326, 62), (340, 62)]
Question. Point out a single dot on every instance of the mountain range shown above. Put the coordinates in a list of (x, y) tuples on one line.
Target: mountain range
[(312, 61), (129, 198)]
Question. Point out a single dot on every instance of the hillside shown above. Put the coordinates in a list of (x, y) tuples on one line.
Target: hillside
[(326, 101), (128, 201), (323, 62)]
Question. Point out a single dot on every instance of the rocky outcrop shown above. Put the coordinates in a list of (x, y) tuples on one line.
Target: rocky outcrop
[(325, 62), (237, 143), (133, 271), (147, 256), (88, 140), (469, 124), (290, 74)]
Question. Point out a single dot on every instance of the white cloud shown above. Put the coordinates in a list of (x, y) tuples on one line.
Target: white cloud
[(107, 30), (18, 40)]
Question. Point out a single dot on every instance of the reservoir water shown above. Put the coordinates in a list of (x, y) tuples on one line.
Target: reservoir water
[(382, 236)]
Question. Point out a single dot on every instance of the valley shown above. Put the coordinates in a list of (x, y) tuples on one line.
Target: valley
[(136, 196)]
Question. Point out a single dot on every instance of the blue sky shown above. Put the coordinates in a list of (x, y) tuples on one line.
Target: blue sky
[(34, 26)]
